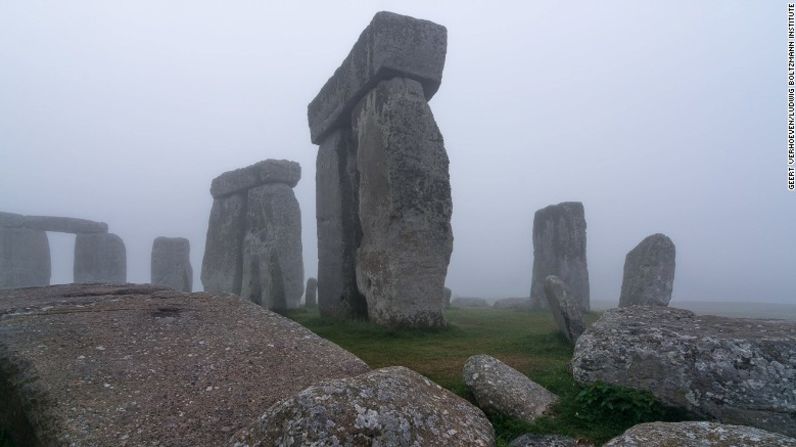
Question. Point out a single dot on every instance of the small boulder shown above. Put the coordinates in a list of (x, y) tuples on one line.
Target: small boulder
[(649, 273), (501, 389), (469, 302), (698, 434), (565, 308), (392, 406)]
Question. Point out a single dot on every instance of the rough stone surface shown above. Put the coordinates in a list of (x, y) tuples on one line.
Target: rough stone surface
[(738, 371), (24, 258), (11, 220), (393, 407), (64, 224), (698, 434), (339, 232), (565, 308), (99, 365), (533, 440), (501, 389), (171, 263), (649, 273), (404, 206), (273, 267), (222, 265), (264, 172), (311, 293), (519, 303), (100, 257), (466, 301), (559, 248), (392, 45), (448, 296)]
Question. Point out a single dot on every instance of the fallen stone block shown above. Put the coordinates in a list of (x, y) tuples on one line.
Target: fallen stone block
[(698, 434)]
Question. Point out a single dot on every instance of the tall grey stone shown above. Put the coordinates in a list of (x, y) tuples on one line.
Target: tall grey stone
[(273, 268), (339, 232), (448, 297), (404, 206), (311, 293), (391, 45), (559, 248), (649, 273), (24, 258), (100, 257), (222, 264), (171, 263), (565, 308), (64, 224)]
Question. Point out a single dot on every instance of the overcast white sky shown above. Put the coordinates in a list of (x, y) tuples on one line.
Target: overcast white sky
[(659, 116)]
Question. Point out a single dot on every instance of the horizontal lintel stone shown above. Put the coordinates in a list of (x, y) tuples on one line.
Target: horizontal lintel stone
[(260, 173)]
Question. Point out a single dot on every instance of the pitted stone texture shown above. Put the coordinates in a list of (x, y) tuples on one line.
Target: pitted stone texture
[(11, 220), (739, 371), (138, 365), (24, 258), (501, 389), (404, 206), (649, 273), (519, 303), (698, 434), (467, 301), (311, 293), (100, 258), (339, 232), (392, 45), (222, 265), (392, 406), (64, 224), (565, 308), (273, 268), (532, 440), (261, 173), (171, 263), (559, 248)]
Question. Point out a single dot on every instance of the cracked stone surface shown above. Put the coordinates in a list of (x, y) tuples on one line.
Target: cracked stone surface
[(501, 389), (649, 273), (139, 365), (698, 434), (565, 308), (736, 370), (393, 406)]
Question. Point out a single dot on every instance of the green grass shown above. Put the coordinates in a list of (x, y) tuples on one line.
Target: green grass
[(527, 341)]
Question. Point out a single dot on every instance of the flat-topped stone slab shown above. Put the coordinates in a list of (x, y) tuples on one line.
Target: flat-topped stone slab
[(392, 45), (64, 224), (130, 365), (260, 173)]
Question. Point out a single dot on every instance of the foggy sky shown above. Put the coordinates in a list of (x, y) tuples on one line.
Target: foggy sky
[(663, 117)]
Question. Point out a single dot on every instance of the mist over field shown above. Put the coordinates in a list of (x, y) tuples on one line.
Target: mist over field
[(660, 117)]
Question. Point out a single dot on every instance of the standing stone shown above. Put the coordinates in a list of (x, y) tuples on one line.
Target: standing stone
[(311, 293), (24, 258), (273, 268), (559, 248), (100, 257), (404, 206), (448, 297), (566, 309), (222, 265), (649, 273), (339, 232), (171, 263)]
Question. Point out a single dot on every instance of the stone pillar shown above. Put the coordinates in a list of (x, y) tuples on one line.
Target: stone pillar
[(559, 248), (171, 263), (649, 273), (222, 265), (100, 257), (24, 258), (311, 293)]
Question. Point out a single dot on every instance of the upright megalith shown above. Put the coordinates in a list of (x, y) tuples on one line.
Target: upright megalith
[(171, 263), (565, 308), (100, 258), (384, 199), (649, 273), (311, 293), (253, 246), (559, 248), (24, 257)]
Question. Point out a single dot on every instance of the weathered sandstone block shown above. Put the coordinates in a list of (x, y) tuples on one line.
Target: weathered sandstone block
[(64, 224), (11, 220), (404, 206), (222, 264), (100, 257), (649, 273), (698, 434), (559, 248), (260, 173), (171, 263), (565, 308), (24, 258)]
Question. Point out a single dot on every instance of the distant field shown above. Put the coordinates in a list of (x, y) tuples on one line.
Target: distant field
[(527, 341), (727, 309)]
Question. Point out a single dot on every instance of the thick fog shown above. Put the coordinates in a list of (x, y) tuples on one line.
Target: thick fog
[(660, 117)]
